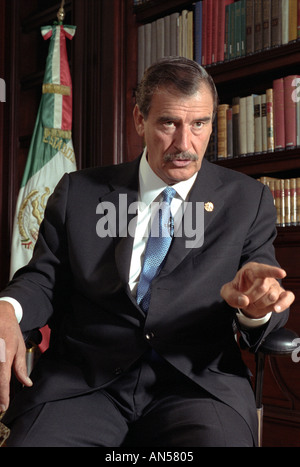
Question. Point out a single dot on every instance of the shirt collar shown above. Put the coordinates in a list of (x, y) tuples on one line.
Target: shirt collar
[(151, 186)]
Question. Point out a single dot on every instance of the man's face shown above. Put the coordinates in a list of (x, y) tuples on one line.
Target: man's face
[(176, 132)]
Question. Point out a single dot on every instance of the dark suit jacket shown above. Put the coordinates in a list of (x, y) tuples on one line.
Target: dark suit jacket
[(78, 282)]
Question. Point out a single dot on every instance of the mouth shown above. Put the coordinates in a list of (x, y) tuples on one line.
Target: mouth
[(181, 162)]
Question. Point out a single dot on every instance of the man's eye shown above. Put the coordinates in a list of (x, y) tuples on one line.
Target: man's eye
[(198, 124), (169, 124)]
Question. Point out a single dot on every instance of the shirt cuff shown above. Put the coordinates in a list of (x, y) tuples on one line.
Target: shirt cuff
[(17, 307), (251, 322)]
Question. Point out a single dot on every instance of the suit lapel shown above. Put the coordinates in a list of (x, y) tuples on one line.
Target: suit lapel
[(123, 194), (207, 190)]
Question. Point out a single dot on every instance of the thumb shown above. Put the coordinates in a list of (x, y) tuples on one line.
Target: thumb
[(20, 366), (234, 297)]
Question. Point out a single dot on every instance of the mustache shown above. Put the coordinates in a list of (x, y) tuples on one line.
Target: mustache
[(182, 156)]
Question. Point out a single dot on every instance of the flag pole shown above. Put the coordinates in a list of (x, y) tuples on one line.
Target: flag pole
[(61, 13)]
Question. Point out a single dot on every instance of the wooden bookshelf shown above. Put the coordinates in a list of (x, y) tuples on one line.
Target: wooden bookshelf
[(239, 77)]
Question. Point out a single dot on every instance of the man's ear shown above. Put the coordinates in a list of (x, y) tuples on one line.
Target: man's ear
[(138, 120)]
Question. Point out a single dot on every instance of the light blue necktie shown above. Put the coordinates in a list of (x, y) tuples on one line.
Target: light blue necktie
[(157, 247)]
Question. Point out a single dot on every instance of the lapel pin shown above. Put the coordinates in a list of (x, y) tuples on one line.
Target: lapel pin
[(209, 206)]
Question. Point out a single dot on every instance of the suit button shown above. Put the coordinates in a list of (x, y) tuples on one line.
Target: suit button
[(149, 335), (118, 371)]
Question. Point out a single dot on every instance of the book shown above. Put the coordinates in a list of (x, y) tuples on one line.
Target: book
[(258, 29), (222, 130), (229, 133), (278, 114), (258, 137), (285, 22), (293, 195), (276, 23), (264, 123), (270, 120), (266, 24), (243, 127), (221, 29), (198, 32), (235, 126), (174, 31), (250, 124), (215, 34), (249, 26), (293, 22), (290, 112), (243, 27)]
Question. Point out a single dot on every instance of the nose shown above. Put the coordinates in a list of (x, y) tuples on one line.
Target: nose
[(183, 139)]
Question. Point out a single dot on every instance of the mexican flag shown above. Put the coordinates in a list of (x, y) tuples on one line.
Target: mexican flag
[(51, 152)]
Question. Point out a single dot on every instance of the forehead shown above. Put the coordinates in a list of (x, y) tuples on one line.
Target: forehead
[(169, 101)]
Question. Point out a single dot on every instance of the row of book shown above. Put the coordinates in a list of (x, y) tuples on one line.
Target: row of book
[(257, 124), (214, 31), (172, 35), (255, 25), (286, 194)]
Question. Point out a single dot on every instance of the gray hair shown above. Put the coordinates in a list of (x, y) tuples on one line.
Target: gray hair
[(183, 74)]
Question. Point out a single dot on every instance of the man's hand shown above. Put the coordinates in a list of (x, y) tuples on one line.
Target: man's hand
[(256, 290), (12, 353)]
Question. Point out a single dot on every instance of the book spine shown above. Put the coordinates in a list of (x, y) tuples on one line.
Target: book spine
[(235, 126), (229, 133), (204, 32), (198, 32), (279, 120), (276, 24), (243, 28), (249, 26), (298, 201), (287, 202), (250, 124), (243, 127), (270, 120), (257, 125), (298, 19), (214, 48), (293, 202), (237, 28), (266, 21), (285, 22), (209, 30), (264, 123), (222, 131), (258, 25), (293, 10), (290, 112)]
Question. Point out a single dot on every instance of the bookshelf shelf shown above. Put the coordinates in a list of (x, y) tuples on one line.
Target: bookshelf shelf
[(262, 164), (268, 60)]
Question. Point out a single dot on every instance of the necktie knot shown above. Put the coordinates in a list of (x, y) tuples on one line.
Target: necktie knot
[(168, 194)]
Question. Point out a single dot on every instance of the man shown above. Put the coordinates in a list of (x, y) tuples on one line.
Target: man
[(119, 372)]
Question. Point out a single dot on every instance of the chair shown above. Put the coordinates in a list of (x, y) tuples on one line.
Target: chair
[(279, 343)]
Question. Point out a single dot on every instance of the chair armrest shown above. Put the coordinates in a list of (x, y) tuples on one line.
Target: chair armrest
[(280, 342)]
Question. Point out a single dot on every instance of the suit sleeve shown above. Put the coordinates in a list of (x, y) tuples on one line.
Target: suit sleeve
[(35, 285), (259, 247)]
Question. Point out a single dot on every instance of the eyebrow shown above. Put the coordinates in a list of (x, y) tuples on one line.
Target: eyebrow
[(166, 118)]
